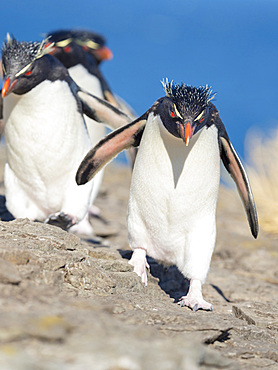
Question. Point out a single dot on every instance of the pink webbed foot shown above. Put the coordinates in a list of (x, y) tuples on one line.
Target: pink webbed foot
[(194, 298), (84, 227), (94, 211), (139, 262)]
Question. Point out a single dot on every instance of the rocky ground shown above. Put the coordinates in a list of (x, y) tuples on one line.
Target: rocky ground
[(68, 303)]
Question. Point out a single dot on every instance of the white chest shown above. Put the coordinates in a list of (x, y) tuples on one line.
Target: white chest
[(174, 189), (86, 80), (170, 170), (44, 126), (91, 84)]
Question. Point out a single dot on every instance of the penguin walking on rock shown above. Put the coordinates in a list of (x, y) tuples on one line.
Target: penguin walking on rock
[(46, 136), (175, 183), (81, 52)]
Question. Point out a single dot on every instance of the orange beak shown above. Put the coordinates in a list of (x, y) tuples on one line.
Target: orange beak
[(188, 133), (5, 87), (103, 53), (185, 132), (8, 86)]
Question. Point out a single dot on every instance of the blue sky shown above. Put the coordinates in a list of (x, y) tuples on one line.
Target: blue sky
[(230, 45)]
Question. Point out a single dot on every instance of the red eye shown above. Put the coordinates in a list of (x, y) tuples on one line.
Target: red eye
[(67, 49), (173, 114), (28, 73), (201, 120)]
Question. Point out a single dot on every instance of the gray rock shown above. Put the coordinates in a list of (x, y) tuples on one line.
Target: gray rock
[(67, 303), (8, 273)]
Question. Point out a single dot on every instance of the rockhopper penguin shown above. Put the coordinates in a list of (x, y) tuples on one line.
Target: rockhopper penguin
[(93, 43), (175, 183), (94, 46), (46, 136), (84, 70), (82, 62), (81, 52)]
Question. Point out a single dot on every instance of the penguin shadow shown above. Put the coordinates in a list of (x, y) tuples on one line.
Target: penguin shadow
[(220, 292), (5, 215), (170, 279)]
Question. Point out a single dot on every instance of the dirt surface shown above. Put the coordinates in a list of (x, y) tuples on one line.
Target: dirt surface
[(68, 303)]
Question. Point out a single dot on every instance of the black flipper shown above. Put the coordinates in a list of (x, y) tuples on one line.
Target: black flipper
[(102, 111), (235, 168), (233, 165), (123, 138)]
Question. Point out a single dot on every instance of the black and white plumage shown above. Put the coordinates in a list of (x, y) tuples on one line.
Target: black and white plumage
[(46, 135), (80, 52), (93, 43), (175, 182), (70, 47)]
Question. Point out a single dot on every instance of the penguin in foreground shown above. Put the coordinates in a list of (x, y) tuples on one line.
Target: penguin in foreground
[(46, 136), (175, 183)]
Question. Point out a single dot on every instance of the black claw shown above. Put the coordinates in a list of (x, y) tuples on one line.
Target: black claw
[(195, 308)]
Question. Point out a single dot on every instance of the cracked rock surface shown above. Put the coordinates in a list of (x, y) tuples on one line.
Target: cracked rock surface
[(71, 303)]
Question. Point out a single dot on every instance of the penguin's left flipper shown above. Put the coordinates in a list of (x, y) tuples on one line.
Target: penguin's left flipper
[(233, 165), (102, 111), (118, 140)]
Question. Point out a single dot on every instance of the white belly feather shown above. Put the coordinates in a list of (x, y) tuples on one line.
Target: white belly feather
[(173, 197), (45, 139), (91, 84), (96, 130)]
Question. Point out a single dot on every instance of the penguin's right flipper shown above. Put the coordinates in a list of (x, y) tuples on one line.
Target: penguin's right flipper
[(118, 140), (102, 111)]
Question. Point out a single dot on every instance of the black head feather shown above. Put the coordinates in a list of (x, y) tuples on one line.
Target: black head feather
[(59, 35), (18, 54), (190, 101), (80, 37), (85, 37)]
